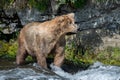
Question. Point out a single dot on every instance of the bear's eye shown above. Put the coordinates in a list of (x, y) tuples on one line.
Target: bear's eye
[(70, 22)]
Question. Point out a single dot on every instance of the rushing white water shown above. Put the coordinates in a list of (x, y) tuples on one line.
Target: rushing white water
[(97, 71), (24, 74)]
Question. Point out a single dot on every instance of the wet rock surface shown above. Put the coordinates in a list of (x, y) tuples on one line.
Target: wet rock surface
[(100, 25), (9, 70)]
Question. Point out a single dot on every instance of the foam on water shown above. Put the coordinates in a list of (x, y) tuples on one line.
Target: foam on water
[(24, 74), (97, 71)]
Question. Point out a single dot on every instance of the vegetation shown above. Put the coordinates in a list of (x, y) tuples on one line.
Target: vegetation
[(44, 4), (109, 56), (79, 3), (8, 49), (5, 3), (40, 4)]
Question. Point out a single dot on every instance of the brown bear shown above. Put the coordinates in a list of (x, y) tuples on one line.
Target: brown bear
[(40, 39)]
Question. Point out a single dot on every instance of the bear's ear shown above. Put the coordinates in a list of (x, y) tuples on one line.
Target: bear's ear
[(71, 15)]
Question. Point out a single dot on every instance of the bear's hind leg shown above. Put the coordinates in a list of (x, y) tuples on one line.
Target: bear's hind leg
[(21, 55)]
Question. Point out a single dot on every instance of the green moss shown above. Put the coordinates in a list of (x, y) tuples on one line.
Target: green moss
[(109, 56), (8, 49), (3, 48), (12, 50)]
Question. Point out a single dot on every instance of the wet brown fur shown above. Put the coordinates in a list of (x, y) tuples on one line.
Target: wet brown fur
[(40, 39)]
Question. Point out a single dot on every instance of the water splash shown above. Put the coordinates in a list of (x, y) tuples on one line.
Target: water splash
[(24, 74), (97, 71)]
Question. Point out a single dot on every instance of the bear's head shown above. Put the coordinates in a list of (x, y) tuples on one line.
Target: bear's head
[(67, 24)]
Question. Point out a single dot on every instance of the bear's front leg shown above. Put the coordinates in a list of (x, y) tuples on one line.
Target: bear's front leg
[(59, 51), (41, 60), (59, 56)]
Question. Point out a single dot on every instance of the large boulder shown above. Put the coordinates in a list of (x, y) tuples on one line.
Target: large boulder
[(100, 25)]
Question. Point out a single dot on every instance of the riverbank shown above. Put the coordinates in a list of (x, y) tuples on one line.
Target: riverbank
[(108, 56)]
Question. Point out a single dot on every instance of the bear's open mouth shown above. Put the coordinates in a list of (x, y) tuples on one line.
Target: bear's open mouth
[(71, 33)]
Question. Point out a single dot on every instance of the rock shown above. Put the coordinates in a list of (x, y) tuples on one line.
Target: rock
[(29, 15), (100, 25)]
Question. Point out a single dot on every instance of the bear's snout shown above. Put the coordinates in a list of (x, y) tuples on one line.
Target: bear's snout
[(76, 28)]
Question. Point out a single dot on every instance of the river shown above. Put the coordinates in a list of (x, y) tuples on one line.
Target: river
[(97, 71)]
